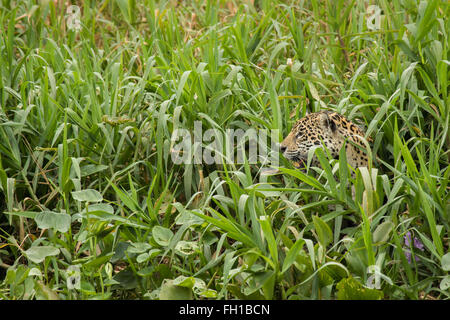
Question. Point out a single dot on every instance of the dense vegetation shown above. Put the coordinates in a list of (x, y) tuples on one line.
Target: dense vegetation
[(93, 207)]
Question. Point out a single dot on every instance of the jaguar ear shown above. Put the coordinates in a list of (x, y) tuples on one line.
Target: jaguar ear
[(328, 122)]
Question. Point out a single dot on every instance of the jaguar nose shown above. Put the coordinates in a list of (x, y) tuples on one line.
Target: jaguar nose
[(282, 148)]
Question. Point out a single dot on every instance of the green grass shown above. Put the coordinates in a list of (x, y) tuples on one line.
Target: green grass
[(87, 180)]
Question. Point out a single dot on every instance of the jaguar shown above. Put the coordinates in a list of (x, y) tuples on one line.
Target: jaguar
[(324, 128)]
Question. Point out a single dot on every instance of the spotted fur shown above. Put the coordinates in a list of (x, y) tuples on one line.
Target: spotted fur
[(324, 128)]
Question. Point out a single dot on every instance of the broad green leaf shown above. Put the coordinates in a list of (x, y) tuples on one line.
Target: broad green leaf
[(87, 288), (98, 209), (138, 247), (142, 257), (208, 293), (170, 291), (445, 262), (90, 169), (323, 231), (147, 271), (427, 20), (183, 281), (88, 195), (43, 292), (292, 254), (258, 281), (95, 262), (350, 289), (200, 289), (186, 248), (162, 235), (37, 254), (382, 232), (126, 279), (445, 283), (54, 220), (270, 238)]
